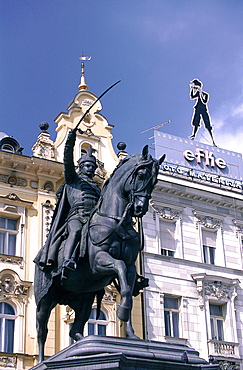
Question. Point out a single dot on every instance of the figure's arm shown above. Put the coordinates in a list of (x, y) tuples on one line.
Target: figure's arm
[(204, 97), (194, 93), (69, 168)]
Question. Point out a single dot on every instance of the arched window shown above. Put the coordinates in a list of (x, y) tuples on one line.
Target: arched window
[(97, 327), (7, 320)]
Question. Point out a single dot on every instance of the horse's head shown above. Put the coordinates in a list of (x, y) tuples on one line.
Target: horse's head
[(141, 181)]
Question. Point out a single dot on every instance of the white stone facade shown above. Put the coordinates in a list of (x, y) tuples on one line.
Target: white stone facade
[(193, 259)]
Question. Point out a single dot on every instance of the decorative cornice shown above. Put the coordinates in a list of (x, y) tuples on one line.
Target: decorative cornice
[(165, 213), (207, 221), (225, 202), (14, 197), (214, 287)]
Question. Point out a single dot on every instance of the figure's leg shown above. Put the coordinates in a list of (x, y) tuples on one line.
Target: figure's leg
[(82, 307), (74, 228), (195, 123), (43, 311), (105, 264), (207, 123)]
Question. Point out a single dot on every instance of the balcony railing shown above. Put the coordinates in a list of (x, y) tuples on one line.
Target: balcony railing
[(222, 348)]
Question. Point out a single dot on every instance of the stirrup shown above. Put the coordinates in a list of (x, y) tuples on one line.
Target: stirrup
[(68, 264)]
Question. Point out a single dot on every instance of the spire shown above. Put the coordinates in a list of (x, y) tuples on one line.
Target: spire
[(83, 85)]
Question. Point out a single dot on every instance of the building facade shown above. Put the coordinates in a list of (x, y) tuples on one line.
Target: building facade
[(193, 250)]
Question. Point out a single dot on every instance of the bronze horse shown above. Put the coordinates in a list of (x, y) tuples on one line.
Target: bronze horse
[(112, 249)]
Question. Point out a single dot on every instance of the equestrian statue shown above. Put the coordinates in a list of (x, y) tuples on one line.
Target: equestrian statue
[(92, 241)]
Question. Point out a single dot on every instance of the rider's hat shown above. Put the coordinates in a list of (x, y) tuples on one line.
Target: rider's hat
[(88, 157)]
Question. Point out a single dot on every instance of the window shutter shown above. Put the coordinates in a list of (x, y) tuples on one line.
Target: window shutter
[(209, 238), (167, 235)]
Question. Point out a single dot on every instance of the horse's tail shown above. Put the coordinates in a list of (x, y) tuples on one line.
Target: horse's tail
[(99, 295)]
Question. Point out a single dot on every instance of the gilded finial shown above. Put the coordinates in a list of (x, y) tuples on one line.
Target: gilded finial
[(83, 85)]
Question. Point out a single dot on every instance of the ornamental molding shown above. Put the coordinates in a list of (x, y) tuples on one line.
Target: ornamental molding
[(217, 289), (8, 361), (11, 286), (226, 365), (13, 180), (12, 260), (208, 222), (48, 210), (44, 147), (110, 294), (165, 212), (14, 197), (214, 287), (238, 226)]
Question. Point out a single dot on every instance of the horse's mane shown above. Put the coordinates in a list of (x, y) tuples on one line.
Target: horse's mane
[(137, 160)]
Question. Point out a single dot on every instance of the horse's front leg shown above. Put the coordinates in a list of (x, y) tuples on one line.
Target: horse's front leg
[(104, 263), (131, 277)]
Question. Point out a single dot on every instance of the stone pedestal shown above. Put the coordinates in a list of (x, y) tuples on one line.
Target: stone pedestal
[(99, 353)]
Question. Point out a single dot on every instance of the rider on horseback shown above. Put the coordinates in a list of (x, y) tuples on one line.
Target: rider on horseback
[(77, 197)]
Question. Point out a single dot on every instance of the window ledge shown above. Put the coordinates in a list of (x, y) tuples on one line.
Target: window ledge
[(175, 340), (15, 260)]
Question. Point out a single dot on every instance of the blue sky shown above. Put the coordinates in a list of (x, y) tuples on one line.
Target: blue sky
[(155, 47)]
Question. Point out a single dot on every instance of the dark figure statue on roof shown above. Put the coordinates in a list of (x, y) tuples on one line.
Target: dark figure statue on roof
[(92, 241), (200, 109)]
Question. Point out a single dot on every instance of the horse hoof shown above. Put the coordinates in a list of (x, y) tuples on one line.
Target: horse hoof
[(132, 336), (78, 336), (123, 313)]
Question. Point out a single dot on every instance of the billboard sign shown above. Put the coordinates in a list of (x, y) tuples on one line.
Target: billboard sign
[(199, 161)]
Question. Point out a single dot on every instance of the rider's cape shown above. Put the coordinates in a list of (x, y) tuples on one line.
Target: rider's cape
[(48, 254)]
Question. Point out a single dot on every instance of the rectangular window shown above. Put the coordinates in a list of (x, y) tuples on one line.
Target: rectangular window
[(171, 315), (8, 233), (166, 252), (209, 246), (216, 322), (167, 236)]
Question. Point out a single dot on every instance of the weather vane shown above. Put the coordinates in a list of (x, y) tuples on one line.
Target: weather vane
[(84, 58), (83, 85), (200, 109)]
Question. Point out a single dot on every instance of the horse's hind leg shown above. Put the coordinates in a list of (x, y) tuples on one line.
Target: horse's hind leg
[(106, 264), (42, 316), (82, 308)]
